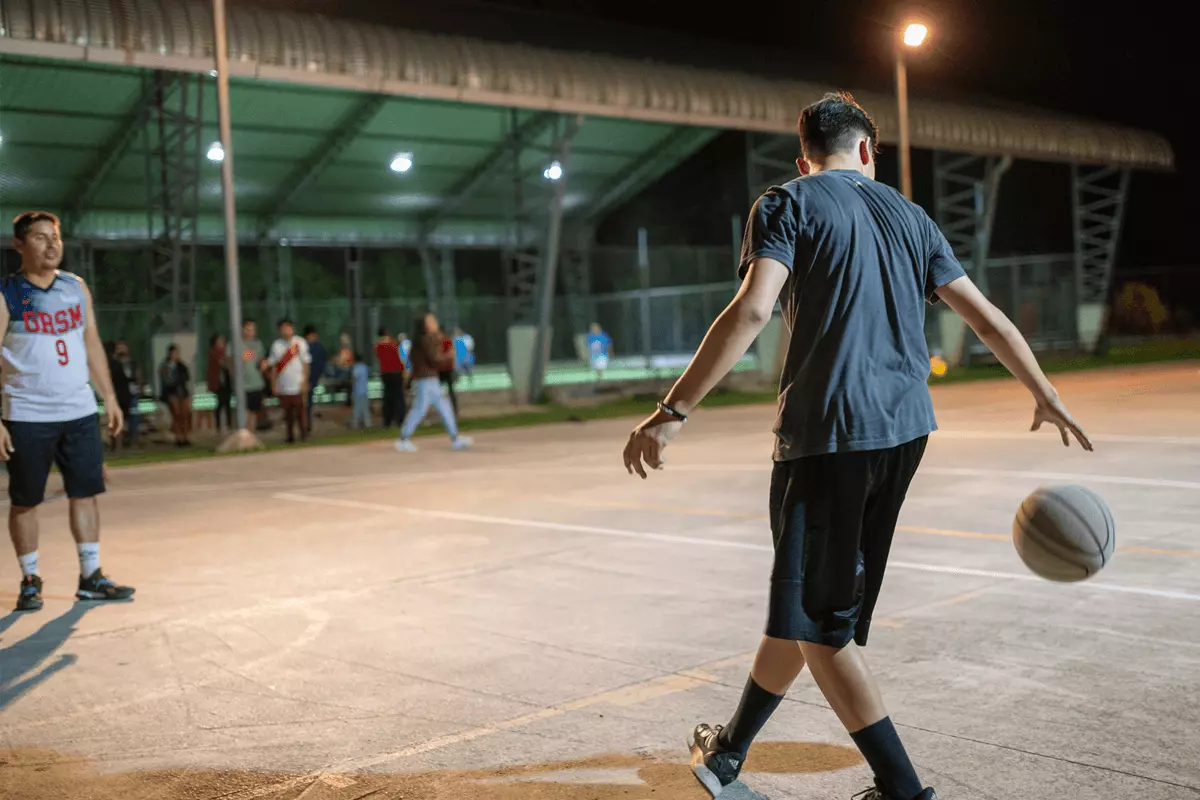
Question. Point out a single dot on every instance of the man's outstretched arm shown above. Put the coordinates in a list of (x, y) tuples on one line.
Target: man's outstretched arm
[(1000, 336), (725, 343)]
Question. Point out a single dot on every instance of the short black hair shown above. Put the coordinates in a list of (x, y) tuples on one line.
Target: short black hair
[(833, 124), (284, 321), (248, 321), (382, 331), (358, 357), (23, 222), (309, 328)]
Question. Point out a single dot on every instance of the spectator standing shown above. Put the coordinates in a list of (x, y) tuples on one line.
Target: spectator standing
[(219, 380), (174, 382), (406, 353), (130, 376), (316, 372), (429, 359), (600, 347), (360, 380), (253, 363), (391, 370), (464, 352), (120, 389), (289, 362)]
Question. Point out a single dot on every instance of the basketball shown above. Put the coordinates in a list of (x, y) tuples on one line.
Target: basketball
[(1064, 533)]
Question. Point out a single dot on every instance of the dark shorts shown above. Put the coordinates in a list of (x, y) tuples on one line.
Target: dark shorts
[(74, 446), (254, 401), (832, 518)]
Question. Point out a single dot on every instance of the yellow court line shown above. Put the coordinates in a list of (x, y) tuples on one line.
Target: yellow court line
[(713, 512)]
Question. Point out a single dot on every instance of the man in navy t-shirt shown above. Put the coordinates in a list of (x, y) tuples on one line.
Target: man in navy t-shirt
[(854, 264)]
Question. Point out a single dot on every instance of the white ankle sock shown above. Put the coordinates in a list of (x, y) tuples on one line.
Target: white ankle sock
[(89, 558), (29, 563)]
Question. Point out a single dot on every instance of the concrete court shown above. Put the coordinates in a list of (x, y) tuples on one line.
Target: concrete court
[(525, 621)]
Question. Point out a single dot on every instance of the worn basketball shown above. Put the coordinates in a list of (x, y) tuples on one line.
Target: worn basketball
[(1064, 533)]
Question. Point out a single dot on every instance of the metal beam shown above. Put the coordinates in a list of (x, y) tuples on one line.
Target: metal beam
[(343, 133), (541, 353), (966, 189), (647, 168), (485, 168), (1098, 201), (109, 155), (770, 161)]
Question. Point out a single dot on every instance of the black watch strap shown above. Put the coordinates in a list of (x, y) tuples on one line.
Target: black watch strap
[(666, 409)]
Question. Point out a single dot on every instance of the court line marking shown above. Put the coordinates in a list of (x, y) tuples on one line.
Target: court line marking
[(1115, 438), (695, 540)]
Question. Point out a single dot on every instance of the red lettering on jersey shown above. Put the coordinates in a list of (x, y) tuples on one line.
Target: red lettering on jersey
[(46, 321), (76, 316), (61, 323), (31, 322)]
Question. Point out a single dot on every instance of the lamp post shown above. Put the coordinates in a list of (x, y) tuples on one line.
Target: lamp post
[(913, 36)]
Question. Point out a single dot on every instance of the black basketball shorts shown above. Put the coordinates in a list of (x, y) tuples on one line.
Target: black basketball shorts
[(832, 519), (74, 446)]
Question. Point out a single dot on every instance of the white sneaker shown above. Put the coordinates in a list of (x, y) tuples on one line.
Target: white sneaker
[(405, 446), (462, 443)]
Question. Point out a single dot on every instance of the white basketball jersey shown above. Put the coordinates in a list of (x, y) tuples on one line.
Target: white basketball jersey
[(45, 367)]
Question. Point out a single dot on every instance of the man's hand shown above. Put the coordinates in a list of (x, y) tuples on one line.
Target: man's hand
[(6, 445), (1054, 412), (648, 441), (116, 417)]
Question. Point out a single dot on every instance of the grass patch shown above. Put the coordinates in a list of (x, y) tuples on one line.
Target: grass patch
[(1147, 353)]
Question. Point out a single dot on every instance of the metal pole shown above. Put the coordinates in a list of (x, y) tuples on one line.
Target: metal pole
[(541, 353), (902, 104), (643, 256), (232, 279)]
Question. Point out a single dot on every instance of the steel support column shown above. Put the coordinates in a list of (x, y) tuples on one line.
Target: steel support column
[(430, 277), (448, 294), (549, 262), (354, 292), (966, 189), (275, 259), (576, 268), (173, 128), (1098, 197), (1098, 201)]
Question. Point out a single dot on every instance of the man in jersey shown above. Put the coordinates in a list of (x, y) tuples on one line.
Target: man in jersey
[(853, 263), (290, 360), (51, 344)]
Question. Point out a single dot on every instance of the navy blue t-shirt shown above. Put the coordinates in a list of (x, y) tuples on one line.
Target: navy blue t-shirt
[(864, 261)]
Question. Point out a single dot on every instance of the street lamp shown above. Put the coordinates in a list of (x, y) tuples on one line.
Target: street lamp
[(913, 36)]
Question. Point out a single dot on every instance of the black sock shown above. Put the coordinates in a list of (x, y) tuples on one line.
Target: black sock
[(881, 747), (754, 709)]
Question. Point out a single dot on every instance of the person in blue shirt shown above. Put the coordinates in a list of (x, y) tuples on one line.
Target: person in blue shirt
[(600, 346), (464, 351), (359, 375)]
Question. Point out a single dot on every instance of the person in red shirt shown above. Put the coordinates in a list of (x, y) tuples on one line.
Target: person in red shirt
[(391, 369)]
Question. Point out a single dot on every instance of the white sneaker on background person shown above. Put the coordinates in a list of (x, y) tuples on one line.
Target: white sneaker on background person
[(462, 443), (405, 446)]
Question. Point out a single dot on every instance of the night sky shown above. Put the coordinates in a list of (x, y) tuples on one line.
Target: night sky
[(1121, 63)]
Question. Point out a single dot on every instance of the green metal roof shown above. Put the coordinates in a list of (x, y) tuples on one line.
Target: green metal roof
[(71, 84), (56, 120)]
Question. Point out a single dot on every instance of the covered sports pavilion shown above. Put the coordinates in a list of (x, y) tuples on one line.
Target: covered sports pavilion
[(355, 136)]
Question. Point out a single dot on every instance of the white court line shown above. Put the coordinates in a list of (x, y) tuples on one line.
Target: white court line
[(693, 540), (965, 472), (1116, 438), (1083, 477)]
